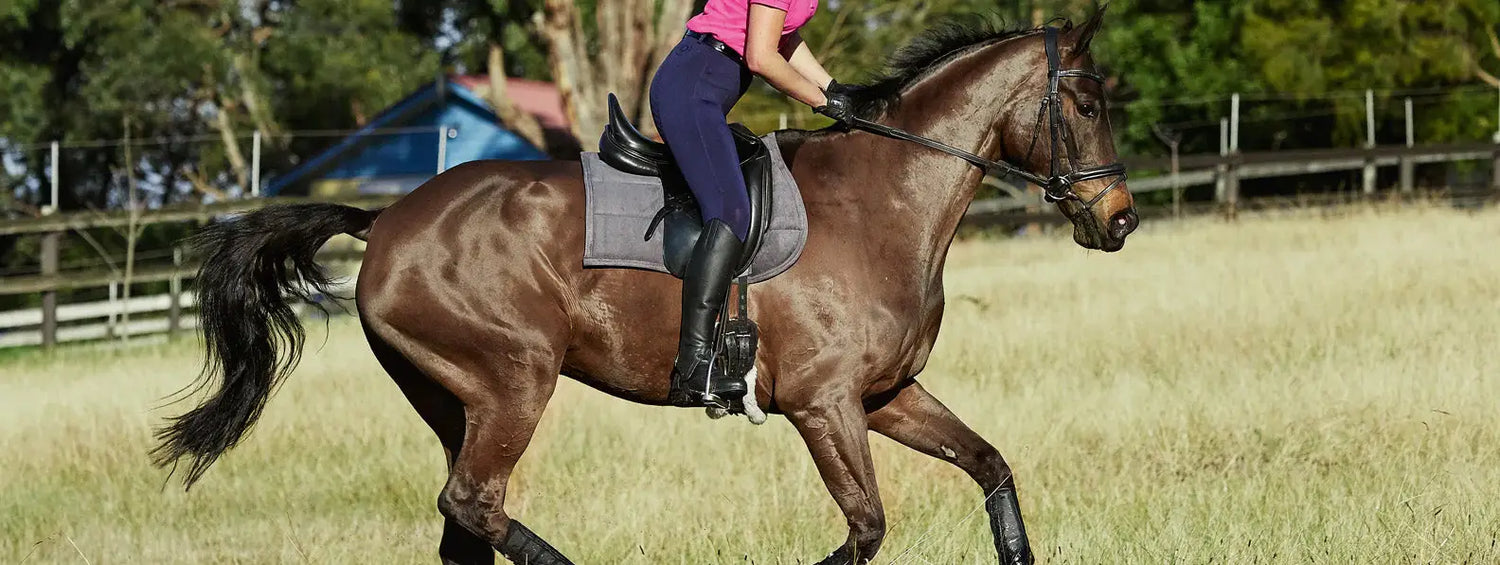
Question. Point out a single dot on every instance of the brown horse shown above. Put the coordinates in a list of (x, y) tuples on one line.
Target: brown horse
[(474, 298)]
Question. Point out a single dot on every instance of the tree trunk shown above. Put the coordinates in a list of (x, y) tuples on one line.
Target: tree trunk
[(251, 97), (232, 146), (669, 30), (519, 122), (631, 43), (202, 186)]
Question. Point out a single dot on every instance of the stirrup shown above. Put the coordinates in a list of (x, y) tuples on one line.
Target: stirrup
[(684, 392)]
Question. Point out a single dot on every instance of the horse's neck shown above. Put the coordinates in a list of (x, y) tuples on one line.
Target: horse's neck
[(923, 193), (907, 200)]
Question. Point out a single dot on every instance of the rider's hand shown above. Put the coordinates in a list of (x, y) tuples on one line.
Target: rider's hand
[(839, 105)]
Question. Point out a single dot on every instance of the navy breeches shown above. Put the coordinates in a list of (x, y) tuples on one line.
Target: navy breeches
[(690, 98)]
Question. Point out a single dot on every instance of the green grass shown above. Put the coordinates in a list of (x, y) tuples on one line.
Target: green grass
[(1283, 390)]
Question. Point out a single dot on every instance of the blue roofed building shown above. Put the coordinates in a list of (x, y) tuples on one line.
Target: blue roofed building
[(443, 124)]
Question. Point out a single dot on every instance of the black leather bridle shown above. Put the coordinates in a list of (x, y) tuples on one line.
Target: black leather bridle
[(1058, 185)]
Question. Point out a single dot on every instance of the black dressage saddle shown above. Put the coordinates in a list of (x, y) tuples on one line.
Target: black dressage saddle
[(625, 148)]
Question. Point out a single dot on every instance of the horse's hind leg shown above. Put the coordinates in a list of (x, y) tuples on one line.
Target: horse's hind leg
[(445, 415), (498, 430), (484, 410), (917, 420)]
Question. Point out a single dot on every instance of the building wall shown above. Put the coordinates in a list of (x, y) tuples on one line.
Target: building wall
[(398, 163)]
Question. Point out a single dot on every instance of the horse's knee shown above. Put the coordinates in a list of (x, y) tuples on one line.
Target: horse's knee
[(474, 507)]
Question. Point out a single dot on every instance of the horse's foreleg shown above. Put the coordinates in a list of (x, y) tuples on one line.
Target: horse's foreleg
[(918, 420), (838, 438)]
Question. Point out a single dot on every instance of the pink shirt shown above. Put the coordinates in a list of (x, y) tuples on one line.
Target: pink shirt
[(728, 19)]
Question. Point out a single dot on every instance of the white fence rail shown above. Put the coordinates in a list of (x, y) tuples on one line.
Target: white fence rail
[(105, 319), (152, 314)]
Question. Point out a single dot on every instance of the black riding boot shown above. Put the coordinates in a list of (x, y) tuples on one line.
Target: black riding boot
[(705, 285)]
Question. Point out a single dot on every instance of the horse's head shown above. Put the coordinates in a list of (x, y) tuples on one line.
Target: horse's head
[(1057, 128), (1027, 102)]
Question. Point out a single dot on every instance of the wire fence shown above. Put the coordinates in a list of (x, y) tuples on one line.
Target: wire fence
[(210, 167)]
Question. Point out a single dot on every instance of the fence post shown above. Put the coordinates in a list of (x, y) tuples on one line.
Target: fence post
[(1369, 184), (1221, 176), (1495, 163), (1234, 152), (1495, 171), (110, 329), (1234, 186), (255, 164), (1234, 123), (442, 164), (1176, 182), (56, 174), (174, 293), (49, 298), (1408, 167)]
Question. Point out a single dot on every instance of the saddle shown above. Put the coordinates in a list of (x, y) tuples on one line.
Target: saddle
[(625, 148)]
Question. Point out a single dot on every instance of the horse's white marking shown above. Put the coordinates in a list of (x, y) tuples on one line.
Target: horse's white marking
[(752, 407), (949, 453)]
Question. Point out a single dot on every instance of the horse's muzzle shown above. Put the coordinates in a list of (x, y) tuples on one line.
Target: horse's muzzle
[(1122, 224), (1116, 228)]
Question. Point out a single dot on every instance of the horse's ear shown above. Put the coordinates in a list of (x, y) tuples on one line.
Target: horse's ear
[(1083, 35)]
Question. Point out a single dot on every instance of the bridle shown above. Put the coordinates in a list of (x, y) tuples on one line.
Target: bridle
[(1058, 185)]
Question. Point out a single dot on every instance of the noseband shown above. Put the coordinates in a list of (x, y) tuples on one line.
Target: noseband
[(1058, 185)]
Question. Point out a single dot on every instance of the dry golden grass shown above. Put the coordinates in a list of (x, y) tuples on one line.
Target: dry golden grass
[(1284, 390)]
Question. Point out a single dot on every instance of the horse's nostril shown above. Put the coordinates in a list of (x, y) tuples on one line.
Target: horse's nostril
[(1122, 223)]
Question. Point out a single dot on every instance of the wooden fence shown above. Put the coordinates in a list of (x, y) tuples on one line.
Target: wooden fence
[(172, 312), (51, 323), (163, 313)]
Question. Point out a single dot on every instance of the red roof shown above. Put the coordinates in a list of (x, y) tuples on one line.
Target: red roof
[(540, 99)]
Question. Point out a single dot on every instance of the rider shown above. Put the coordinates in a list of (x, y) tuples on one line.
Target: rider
[(691, 95)]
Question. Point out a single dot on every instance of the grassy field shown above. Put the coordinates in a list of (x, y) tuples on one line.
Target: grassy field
[(1285, 390)]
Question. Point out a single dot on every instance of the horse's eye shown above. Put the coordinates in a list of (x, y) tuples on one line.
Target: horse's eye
[(1088, 110)]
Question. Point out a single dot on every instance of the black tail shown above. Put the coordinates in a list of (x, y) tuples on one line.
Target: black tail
[(252, 267)]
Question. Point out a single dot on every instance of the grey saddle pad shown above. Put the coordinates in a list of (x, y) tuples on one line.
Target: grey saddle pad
[(620, 206)]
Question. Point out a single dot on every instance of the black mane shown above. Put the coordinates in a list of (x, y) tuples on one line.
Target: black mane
[(927, 52)]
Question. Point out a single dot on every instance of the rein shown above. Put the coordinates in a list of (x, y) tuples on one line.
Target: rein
[(1058, 186)]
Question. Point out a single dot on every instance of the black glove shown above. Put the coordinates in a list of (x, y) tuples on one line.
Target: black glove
[(840, 105)]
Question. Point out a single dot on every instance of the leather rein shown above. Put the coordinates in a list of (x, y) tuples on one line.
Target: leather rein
[(1058, 186)]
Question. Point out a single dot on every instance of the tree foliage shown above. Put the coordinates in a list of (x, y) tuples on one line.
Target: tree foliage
[(207, 73), (76, 71)]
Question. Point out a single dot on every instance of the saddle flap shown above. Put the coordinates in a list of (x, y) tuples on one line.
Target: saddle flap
[(755, 162), (682, 223)]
